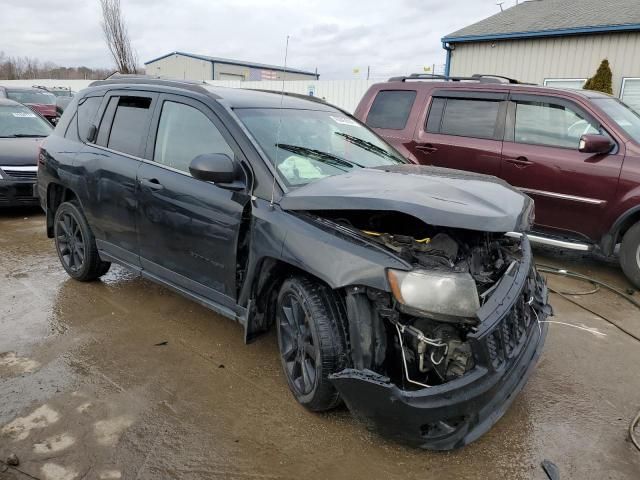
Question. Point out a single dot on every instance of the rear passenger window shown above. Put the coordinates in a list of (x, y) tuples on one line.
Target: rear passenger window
[(129, 125), (184, 133), (391, 109), (469, 118), (86, 115)]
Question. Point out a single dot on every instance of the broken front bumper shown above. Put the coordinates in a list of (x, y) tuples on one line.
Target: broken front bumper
[(506, 347)]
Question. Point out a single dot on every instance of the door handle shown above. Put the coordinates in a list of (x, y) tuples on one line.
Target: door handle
[(151, 183), (426, 148), (520, 162)]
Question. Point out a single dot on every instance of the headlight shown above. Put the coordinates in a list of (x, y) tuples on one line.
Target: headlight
[(435, 292)]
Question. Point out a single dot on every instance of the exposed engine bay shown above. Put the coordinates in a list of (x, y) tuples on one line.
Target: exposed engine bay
[(416, 344)]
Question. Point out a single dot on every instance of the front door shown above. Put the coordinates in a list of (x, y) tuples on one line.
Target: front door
[(571, 189), (188, 228), (462, 130)]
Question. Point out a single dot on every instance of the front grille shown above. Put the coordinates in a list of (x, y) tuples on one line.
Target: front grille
[(21, 174), (508, 337)]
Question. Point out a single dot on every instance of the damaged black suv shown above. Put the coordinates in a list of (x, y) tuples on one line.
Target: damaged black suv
[(408, 292)]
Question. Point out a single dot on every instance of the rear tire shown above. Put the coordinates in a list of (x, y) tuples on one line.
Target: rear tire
[(76, 245), (310, 320), (630, 254)]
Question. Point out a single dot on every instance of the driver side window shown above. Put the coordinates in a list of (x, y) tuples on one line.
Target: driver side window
[(542, 123), (184, 132)]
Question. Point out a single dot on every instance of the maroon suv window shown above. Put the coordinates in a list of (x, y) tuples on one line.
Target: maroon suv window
[(391, 109)]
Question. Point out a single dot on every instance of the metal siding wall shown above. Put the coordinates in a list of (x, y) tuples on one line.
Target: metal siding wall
[(534, 60), (181, 67)]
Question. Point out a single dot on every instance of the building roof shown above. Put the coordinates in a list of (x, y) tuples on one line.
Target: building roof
[(233, 62), (544, 18)]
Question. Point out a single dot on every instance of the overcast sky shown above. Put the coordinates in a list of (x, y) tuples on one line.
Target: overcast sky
[(393, 36)]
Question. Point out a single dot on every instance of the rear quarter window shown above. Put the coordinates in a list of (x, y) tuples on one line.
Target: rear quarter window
[(391, 109)]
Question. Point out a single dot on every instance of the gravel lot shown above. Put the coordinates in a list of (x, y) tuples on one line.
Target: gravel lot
[(89, 388)]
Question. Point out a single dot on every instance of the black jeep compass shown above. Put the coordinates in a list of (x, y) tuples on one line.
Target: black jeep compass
[(407, 292)]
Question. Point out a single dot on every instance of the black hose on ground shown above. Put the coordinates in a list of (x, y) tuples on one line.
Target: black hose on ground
[(632, 433), (556, 271)]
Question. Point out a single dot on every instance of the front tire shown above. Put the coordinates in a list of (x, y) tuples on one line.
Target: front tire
[(76, 245), (310, 319), (630, 254)]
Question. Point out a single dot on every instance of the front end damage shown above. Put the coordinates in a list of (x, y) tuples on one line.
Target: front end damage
[(437, 361)]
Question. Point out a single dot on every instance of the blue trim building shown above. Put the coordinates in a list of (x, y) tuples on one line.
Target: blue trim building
[(553, 42), (191, 66)]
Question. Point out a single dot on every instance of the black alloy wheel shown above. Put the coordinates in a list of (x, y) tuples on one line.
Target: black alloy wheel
[(312, 340), (76, 245), (70, 242), (298, 350)]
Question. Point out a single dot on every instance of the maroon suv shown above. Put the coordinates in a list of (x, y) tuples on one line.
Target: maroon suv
[(36, 99), (576, 152)]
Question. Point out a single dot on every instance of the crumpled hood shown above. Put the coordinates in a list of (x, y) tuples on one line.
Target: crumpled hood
[(437, 196)]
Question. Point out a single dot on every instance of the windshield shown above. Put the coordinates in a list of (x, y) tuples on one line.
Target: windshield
[(31, 96), (19, 121), (312, 144), (626, 118)]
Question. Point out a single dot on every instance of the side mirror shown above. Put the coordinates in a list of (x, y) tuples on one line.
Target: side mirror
[(92, 133), (595, 143), (213, 167)]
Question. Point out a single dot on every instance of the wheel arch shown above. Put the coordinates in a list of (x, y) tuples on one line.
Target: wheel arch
[(269, 275), (619, 228), (56, 195)]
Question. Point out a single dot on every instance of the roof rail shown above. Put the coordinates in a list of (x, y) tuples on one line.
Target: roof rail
[(151, 80), (301, 96), (482, 78), (500, 77)]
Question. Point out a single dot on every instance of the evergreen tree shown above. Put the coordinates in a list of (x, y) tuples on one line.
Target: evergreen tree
[(601, 81)]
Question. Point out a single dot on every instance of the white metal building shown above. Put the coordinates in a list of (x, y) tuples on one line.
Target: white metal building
[(554, 42), (189, 66)]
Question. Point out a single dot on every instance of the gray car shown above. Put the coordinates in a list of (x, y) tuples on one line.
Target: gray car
[(21, 132), (407, 292)]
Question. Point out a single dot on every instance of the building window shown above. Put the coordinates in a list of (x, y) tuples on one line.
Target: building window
[(630, 93), (575, 83)]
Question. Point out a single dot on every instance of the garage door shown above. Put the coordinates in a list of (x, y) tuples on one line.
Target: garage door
[(631, 92), (230, 76)]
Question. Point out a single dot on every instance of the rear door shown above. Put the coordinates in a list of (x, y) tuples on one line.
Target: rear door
[(107, 169), (187, 228), (462, 130), (541, 157)]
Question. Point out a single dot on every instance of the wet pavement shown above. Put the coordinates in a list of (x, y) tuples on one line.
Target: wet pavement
[(124, 379)]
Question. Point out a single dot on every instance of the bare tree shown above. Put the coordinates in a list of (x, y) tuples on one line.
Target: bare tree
[(117, 37)]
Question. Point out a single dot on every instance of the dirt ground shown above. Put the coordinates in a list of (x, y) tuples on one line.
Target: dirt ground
[(124, 379)]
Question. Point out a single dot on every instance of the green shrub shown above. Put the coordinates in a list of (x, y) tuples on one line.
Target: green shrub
[(601, 81)]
